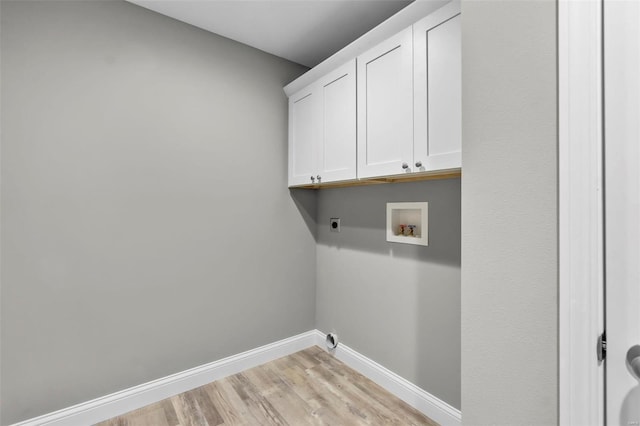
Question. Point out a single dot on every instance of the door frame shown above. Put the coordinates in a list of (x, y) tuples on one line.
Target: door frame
[(580, 208)]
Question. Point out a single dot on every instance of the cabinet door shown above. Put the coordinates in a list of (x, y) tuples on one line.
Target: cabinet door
[(437, 102), (385, 107), (303, 136), (337, 142)]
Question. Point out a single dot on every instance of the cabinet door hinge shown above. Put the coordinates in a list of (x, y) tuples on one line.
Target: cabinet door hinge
[(602, 346)]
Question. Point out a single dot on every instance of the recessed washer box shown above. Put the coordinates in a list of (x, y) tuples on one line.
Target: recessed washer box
[(408, 223)]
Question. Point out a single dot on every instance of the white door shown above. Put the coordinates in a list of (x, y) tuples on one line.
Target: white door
[(385, 107), (438, 93), (622, 205), (337, 139), (303, 135)]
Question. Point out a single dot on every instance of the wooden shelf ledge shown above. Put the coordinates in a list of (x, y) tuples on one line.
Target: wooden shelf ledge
[(409, 177)]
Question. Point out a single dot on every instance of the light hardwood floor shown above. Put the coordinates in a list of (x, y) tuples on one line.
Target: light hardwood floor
[(310, 387)]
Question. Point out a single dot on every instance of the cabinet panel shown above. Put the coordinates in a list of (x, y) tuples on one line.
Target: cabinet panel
[(444, 79), (437, 108), (385, 104), (302, 136), (337, 147)]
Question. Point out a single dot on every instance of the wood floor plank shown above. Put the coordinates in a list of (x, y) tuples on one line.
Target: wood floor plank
[(376, 410), (310, 387), (236, 403), (333, 402), (226, 405), (340, 399), (371, 391), (298, 381), (188, 410), (281, 396), (169, 412), (257, 404), (209, 410), (147, 416)]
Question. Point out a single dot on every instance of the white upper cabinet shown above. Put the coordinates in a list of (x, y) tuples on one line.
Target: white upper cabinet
[(404, 118), (322, 129), (437, 91), (385, 107), (303, 136), (336, 155)]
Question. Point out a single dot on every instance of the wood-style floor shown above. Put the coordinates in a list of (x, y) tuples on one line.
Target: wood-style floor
[(310, 387)]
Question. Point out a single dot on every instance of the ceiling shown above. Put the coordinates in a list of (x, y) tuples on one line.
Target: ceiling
[(302, 31)]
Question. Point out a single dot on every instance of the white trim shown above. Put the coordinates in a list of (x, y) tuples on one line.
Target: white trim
[(118, 403), (429, 405), (396, 23), (581, 392)]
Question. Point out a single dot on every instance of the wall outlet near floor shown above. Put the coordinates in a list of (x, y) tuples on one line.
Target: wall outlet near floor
[(334, 224)]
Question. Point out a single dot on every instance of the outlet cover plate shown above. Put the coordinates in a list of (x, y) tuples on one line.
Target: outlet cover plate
[(334, 224)]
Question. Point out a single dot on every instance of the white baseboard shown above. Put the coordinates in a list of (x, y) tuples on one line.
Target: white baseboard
[(118, 403), (418, 398)]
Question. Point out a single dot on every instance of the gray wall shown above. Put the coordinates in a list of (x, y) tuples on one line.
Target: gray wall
[(146, 223), (509, 213), (397, 304)]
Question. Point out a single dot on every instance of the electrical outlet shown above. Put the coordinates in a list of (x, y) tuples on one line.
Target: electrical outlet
[(334, 224)]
